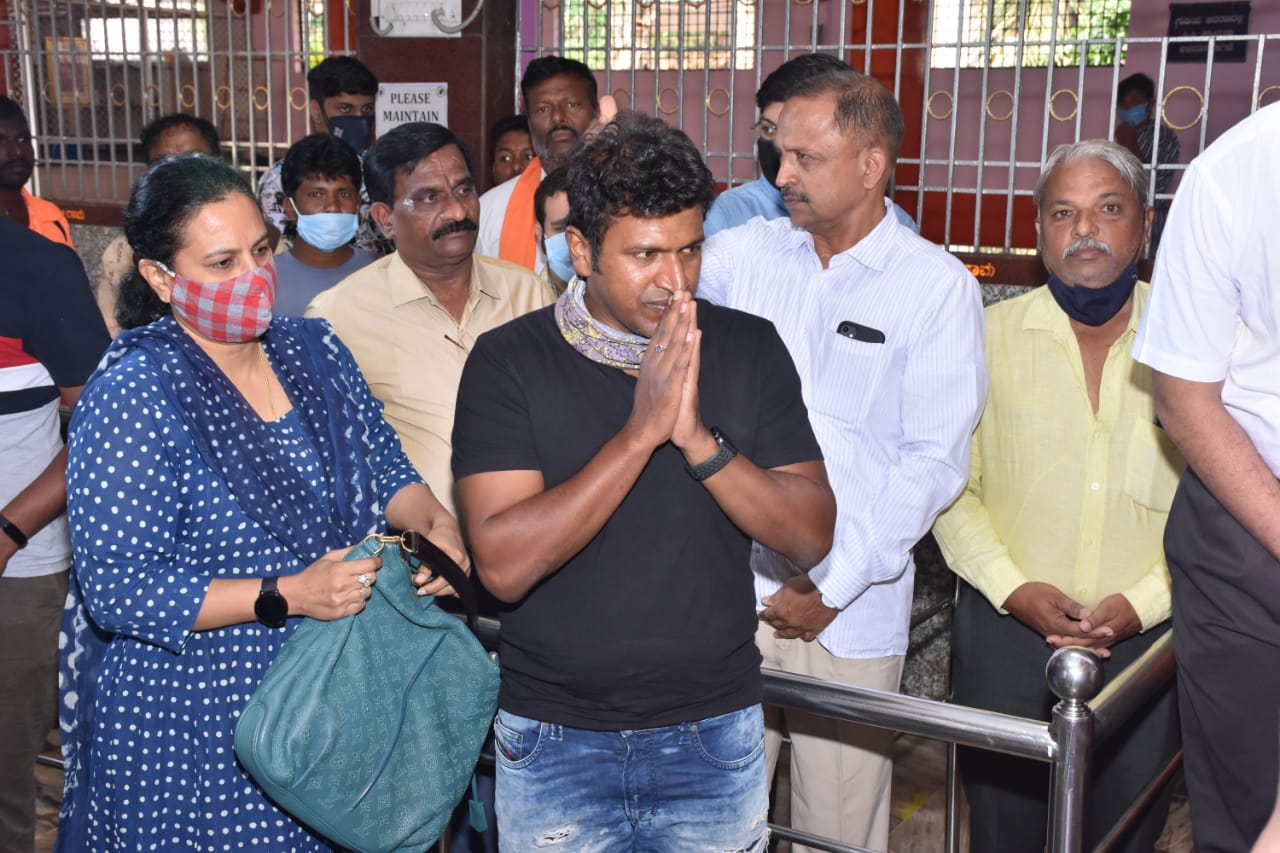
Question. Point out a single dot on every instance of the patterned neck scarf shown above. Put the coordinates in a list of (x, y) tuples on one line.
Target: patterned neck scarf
[(592, 338)]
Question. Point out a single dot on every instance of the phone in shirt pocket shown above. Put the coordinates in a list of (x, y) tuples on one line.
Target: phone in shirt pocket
[(858, 332)]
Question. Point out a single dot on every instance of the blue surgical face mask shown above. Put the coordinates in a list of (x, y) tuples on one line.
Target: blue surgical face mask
[(356, 131), (1133, 115), (328, 231), (558, 257)]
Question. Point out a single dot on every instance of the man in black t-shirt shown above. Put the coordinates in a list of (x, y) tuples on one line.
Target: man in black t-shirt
[(615, 455)]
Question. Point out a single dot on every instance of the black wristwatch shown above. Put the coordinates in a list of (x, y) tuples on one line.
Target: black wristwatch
[(724, 453), (13, 532), (270, 607)]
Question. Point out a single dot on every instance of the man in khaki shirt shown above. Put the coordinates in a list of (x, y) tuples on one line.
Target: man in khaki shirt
[(412, 317)]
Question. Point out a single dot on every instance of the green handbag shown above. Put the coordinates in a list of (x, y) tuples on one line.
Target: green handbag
[(367, 729)]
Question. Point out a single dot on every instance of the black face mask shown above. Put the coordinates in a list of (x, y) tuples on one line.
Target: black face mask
[(1094, 306), (769, 158), (356, 131)]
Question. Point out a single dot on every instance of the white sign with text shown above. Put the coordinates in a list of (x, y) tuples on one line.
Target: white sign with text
[(401, 103)]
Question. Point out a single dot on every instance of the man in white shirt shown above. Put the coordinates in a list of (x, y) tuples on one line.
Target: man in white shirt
[(886, 331), (1212, 334)]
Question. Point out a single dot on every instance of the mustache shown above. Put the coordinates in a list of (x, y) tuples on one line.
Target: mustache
[(454, 227), (1085, 243), (790, 195)]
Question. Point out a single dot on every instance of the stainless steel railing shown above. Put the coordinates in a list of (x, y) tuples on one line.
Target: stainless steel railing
[(1086, 712)]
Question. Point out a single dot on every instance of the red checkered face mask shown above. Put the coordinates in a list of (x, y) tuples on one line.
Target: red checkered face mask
[(232, 311)]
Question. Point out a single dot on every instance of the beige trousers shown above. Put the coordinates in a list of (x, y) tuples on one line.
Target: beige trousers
[(841, 773)]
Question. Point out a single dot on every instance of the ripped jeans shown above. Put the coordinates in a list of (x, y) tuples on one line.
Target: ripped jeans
[(690, 787)]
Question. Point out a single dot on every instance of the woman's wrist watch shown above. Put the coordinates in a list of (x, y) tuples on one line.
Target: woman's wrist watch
[(270, 607)]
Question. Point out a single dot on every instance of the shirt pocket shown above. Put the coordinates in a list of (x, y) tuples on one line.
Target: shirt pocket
[(1153, 467), (848, 377)]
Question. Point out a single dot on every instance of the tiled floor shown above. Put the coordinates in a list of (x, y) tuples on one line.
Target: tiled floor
[(919, 803)]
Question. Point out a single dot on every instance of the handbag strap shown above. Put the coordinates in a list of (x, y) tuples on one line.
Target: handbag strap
[(440, 563)]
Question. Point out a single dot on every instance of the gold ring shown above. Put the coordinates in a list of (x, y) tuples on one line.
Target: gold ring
[(217, 97), (623, 92), (727, 102), (1075, 109), (1264, 93), (597, 5), (664, 110), (298, 90), (803, 2), (546, 5), (284, 10), (154, 91), (266, 98), (857, 2), (748, 3), (244, 8), (187, 100), (118, 87), (1006, 116), (951, 104), (1165, 115), (316, 9)]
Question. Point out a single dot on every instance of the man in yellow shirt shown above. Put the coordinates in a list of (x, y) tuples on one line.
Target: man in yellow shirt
[(411, 318), (1058, 535)]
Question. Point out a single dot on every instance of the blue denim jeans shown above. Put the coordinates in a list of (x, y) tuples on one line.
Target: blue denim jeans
[(690, 787)]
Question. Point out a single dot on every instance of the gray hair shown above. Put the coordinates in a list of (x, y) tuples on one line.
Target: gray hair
[(1116, 156)]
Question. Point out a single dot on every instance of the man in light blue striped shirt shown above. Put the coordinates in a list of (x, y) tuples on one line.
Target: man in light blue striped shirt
[(886, 330)]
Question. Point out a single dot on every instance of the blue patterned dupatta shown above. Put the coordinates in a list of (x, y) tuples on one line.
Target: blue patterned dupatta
[(238, 445)]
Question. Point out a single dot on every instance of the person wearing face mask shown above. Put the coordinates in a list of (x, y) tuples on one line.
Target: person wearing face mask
[(222, 460), (321, 180), (762, 197), (551, 207), (1080, 563), (342, 91), (1136, 130)]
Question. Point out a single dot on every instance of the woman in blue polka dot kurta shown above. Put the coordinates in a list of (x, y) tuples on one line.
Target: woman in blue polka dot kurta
[(209, 452)]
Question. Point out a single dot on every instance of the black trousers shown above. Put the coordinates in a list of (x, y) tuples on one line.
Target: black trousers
[(997, 664), (1226, 605)]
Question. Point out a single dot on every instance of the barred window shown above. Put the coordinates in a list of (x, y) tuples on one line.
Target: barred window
[(665, 35), (1028, 33)]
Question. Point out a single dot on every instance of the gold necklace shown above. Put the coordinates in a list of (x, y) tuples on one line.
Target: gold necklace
[(266, 378)]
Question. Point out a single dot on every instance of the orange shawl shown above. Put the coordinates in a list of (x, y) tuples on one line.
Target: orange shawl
[(518, 241)]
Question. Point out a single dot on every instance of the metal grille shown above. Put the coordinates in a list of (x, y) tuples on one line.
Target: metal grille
[(92, 73), (981, 117), (1030, 33)]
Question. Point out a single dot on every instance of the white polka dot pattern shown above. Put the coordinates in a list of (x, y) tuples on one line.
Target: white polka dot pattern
[(152, 525)]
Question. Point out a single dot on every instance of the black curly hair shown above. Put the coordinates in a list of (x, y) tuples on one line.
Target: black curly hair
[(635, 166)]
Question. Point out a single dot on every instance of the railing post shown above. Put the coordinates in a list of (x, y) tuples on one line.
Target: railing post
[(1075, 677)]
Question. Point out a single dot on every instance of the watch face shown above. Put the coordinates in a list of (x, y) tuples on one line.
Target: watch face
[(271, 609)]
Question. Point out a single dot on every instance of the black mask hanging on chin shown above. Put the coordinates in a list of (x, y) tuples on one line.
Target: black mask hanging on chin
[(769, 159)]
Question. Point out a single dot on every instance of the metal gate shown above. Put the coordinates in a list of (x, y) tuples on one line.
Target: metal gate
[(987, 87), (92, 73)]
